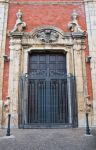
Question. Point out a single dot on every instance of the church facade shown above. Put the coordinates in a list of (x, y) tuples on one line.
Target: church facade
[(48, 73)]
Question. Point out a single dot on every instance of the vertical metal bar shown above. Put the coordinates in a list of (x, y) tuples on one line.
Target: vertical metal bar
[(69, 99), (48, 90), (63, 102), (60, 100), (33, 102), (25, 99), (32, 105), (54, 102), (36, 101), (20, 101), (48, 102), (29, 101), (57, 101), (42, 102), (66, 97)]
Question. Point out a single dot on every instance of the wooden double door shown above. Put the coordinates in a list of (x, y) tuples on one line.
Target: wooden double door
[(47, 90)]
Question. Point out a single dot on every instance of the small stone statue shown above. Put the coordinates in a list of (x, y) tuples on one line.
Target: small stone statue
[(73, 26), (20, 25)]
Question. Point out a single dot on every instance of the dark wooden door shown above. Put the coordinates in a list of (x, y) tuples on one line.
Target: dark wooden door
[(47, 90)]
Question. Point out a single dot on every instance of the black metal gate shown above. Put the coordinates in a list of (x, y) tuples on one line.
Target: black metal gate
[(44, 94)]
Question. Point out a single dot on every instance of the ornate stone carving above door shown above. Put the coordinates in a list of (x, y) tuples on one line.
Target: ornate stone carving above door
[(47, 35), (50, 36)]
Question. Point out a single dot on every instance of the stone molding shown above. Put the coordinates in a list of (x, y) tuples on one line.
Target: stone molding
[(75, 39), (46, 2)]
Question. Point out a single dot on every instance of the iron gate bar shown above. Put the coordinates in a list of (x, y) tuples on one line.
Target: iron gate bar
[(50, 98)]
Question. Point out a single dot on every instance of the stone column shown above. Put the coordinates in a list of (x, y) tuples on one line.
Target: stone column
[(14, 72)]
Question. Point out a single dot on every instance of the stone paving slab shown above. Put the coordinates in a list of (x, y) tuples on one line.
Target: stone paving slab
[(48, 139)]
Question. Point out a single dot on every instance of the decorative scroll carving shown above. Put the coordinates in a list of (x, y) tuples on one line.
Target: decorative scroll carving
[(20, 25), (73, 26), (47, 36)]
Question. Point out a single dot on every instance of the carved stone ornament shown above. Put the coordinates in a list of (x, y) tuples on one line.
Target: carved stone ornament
[(47, 36), (73, 26), (20, 25)]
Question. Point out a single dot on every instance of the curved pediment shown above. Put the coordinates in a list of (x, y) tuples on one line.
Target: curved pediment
[(47, 34), (52, 28)]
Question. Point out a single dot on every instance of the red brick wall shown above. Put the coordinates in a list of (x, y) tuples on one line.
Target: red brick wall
[(48, 12), (39, 15)]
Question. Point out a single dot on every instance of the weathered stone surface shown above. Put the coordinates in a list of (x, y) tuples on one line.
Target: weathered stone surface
[(21, 44), (90, 9), (3, 25)]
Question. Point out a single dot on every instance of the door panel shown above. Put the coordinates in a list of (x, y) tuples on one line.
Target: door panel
[(47, 92)]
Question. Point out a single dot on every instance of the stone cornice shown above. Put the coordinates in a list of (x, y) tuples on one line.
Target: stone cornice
[(48, 3), (30, 35), (66, 39)]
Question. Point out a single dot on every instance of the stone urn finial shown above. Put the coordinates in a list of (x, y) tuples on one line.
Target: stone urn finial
[(20, 25), (73, 26), (19, 14), (74, 15)]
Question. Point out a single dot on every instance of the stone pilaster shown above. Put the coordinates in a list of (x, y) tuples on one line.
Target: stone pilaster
[(90, 10), (14, 71), (3, 27), (80, 74)]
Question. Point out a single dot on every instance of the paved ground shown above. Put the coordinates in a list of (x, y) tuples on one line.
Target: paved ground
[(48, 139)]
